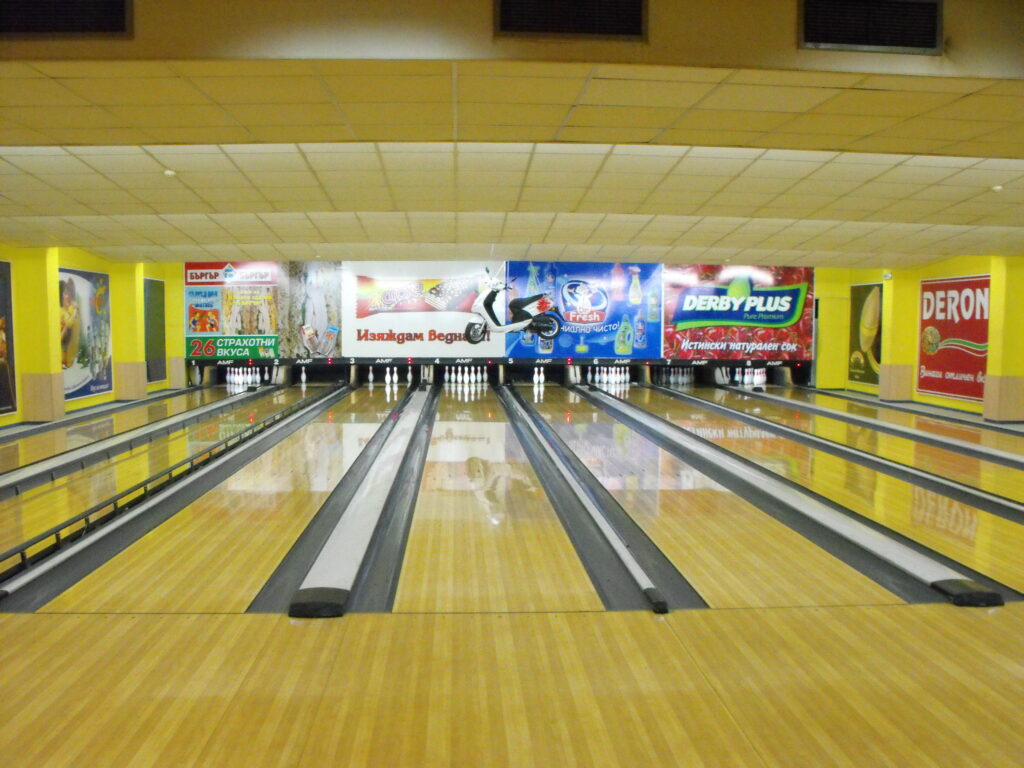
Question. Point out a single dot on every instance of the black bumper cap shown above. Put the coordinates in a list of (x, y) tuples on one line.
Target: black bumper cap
[(318, 603), (967, 593), (655, 598)]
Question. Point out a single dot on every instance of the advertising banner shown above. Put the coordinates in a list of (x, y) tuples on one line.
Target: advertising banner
[(723, 312), (231, 310), (954, 337), (865, 333), (608, 310), (156, 349), (414, 309), (85, 333), (8, 393), (310, 297)]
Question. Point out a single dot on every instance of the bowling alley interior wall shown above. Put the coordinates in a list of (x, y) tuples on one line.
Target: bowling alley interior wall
[(901, 335), (36, 344)]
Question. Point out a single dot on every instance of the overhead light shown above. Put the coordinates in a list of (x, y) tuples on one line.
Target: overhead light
[(168, 172), (997, 188)]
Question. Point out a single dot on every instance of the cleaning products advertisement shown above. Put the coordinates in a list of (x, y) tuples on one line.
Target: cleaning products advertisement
[(608, 310), (729, 312), (8, 395), (865, 333), (953, 351), (231, 310), (85, 333), (398, 309)]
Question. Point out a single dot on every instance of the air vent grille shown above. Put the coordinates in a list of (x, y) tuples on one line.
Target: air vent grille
[(63, 16), (898, 26), (603, 18)]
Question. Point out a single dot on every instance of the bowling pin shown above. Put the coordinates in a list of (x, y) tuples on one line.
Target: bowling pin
[(369, 376), (408, 375), (302, 375), (542, 375)]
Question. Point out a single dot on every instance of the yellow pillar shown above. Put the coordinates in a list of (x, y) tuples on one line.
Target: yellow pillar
[(832, 329), (901, 293), (37, 321), (1004, 381), (128, 331), (174, 318)]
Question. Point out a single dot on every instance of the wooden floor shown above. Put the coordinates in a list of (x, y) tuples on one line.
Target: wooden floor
[(217, 553), (484, 536), (989, 544), (733, 554), (936, 425), (844, 687), (26, 450), (46, 506), (975, 473)]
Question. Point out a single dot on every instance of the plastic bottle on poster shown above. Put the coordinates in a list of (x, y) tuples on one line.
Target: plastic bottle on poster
[(640, 331), (636, 294), (618, 283), (624, 338), (652, 307), (545, 346)]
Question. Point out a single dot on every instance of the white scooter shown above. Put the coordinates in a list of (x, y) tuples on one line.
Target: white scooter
[(534, 313)]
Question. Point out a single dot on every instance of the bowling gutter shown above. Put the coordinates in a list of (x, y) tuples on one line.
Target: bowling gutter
[(904, 567), (49, 469), (31, 589)]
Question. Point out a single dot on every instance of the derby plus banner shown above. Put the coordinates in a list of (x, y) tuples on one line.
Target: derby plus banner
[(954, 337), (396, 309), (85, 333), (231, 309), (865, 333), (723, 312), (609, 310)]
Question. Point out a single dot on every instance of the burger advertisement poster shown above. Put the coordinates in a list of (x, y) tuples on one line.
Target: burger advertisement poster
[(231, 310), (953, 349), (728, 312), (865, 352)]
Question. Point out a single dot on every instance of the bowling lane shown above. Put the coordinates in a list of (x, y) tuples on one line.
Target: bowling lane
[(733, 554), (985, 475), (989, 544), (933, 425), (41, 508), (26, 450), (217, 553), (484, 536)]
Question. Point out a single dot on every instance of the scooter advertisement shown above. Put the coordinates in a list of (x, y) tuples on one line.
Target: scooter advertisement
[(418, 309), (608, 310)]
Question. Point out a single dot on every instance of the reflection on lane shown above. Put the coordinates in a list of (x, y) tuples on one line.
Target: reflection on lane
[(26, 450), (989, 544), (933, 425), (217, 553), (994, 478), (484, 536), (46, 506), (734, 555)]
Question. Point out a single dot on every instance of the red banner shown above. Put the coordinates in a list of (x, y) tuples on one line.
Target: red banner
[(731, 312), (953, 348), (231, 273)]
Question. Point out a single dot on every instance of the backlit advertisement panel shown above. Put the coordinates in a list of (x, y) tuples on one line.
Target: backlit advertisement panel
[(728, 312), (953, 349)]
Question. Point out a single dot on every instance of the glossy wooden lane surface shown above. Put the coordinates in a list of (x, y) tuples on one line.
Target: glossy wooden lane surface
[(484, 536), (857, 687), (733, 554), (216, 553), (934, 425), (985, 475), (41, 508), (25, 450), (982, 541)]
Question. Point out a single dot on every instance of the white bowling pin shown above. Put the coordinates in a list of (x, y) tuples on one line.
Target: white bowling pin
[(408, 375), (447, 371), (542, 375), (369, 375)]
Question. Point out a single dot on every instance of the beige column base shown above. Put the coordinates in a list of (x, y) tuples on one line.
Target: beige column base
[(42, 396), (129, 381), (1004, 398), (896, 382), (177, 373)]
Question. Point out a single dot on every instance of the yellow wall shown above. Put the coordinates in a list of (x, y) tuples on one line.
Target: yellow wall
[(901, 298)]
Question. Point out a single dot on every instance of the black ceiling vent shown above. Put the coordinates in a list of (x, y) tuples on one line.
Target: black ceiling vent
[(890, 26), (62, 17), (598, 18)]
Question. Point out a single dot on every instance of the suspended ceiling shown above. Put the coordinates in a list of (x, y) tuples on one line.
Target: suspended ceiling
[(349, 159)]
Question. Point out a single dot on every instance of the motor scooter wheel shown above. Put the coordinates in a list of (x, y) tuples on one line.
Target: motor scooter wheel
[(547, 326), (474, 333)]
